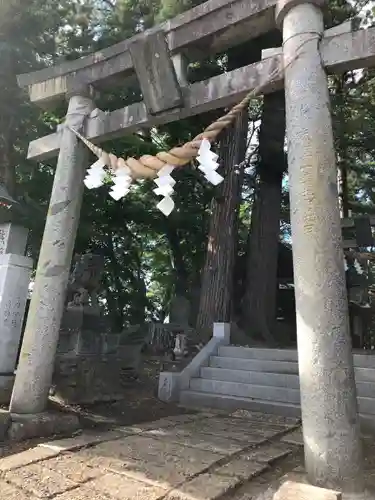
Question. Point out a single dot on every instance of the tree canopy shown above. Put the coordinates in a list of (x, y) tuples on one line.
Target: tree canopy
[(149, 258)]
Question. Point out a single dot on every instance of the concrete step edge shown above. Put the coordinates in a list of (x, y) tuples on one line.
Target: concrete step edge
[(197, 399), (258, 353), (271, 393), (268, 366), (364, 359), (222, 374)]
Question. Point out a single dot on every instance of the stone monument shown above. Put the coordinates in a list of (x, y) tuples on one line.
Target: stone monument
[(15, 271), (82, 316), (92, 364)]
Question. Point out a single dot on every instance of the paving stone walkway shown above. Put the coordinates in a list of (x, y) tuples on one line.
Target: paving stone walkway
[(205, 456)]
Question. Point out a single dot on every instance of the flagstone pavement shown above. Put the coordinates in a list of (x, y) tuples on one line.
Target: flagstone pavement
[(204, 456)]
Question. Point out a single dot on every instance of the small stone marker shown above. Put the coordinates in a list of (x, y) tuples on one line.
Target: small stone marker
[(291, 490)]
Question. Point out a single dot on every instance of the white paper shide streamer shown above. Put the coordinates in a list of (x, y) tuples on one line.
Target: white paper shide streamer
[(165, 183), (358, 267), (95, 175), (208, 164), (121, 183)]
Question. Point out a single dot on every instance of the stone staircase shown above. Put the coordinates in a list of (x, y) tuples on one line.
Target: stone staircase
[(267, 380)]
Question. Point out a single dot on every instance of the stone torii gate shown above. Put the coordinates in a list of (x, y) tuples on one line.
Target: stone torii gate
[(329, 411)]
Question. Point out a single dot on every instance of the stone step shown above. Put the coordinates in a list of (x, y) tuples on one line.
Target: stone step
[(261, 392), (367, 423), (364, 360), (258, 353), (366, 406), (362, 374), (365, 375), (195, 399), (254, 365), (250, 377), (364, 389)]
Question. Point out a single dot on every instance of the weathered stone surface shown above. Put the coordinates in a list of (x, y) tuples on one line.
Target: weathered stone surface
[(330, 419), (81, 441), (72, 467), (15, 271), (204, 487), (267, 454), (347, 51), (155, 72), (125, 488), (266, 426), (4, 423), (149, 459), (39, 481), (36, 362), (11, 492), (92, 365), (220, 91), (241, 468), (89, 378), (168, 390), (305, 491), (83, 493), (167, 422), (215, 443), (197, 28), (30, 456), (263, 418), (295, 437), (26, 426), (245, 436)]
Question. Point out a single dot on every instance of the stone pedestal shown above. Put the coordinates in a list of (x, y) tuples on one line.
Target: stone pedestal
[(91, 364), (15, 273)]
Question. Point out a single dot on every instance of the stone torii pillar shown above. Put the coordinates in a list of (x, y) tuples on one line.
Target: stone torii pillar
[(333, 454), (36, 362)]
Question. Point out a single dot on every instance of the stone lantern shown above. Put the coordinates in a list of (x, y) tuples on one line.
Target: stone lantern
[(15, 271)]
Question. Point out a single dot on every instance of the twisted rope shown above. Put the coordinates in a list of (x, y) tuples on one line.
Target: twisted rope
[(147, 166)]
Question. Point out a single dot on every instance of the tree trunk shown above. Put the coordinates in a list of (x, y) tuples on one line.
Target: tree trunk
[(259, 303), (181, 277), (217, 279), (115, 306)]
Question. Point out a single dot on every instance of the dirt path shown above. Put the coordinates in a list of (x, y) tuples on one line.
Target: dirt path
[(140, 403)]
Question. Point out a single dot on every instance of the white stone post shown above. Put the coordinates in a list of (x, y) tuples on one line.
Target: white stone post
[(333, 453), (36, 363), (15, 271)]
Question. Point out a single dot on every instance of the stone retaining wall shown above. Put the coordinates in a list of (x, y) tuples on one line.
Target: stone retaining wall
[(91, 366)]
